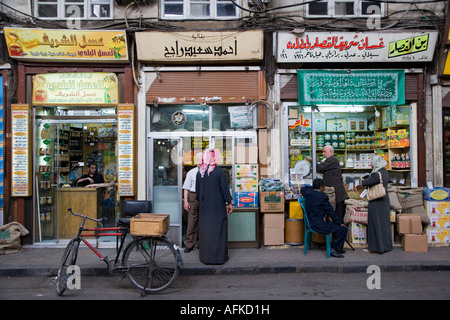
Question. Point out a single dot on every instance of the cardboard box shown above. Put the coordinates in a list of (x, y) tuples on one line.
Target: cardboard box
[(357, 233), (246, 153), (273, 220), (436, 194), (272, 201), (439, 220), (415, 242), (246, 170), (273, 236), (262, 146), (149, 224), (437, 207), (246, 199), (409, 223), (438, 235), (246, 184)]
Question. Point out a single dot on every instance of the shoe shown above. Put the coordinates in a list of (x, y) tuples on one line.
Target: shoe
[(340, 251), (335, 254), (187, 250)]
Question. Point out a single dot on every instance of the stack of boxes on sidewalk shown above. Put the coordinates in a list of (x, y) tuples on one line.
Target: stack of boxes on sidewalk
[(421, 216), (437, 207), (272, 206), (409, 227)]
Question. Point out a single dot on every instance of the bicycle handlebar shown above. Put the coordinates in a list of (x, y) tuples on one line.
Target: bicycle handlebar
[(81, 216)]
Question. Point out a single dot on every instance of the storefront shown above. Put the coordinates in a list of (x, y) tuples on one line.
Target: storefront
[(356, 108), (75, 107), (443, 108), (190, 106), (364, 94)]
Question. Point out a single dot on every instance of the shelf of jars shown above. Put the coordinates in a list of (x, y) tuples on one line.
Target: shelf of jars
[(355, 149)]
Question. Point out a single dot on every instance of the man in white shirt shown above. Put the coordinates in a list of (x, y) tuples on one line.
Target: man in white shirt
[(191, 204)]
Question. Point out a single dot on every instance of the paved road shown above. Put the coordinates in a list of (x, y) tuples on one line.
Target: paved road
[(263, 287)]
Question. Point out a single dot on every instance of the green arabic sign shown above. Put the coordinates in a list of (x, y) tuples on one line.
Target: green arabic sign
[(356, 87)]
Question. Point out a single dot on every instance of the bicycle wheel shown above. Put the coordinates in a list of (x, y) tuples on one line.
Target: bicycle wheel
[(152, 263), (69, 258)]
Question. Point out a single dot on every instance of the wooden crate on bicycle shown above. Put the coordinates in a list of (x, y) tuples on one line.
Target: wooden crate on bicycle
[(149, 224)]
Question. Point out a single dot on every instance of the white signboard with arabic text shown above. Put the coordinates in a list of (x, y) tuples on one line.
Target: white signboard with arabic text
[(200, 46), (356, 47)]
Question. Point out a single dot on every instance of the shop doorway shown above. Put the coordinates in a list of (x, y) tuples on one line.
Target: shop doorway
[(172, 157), (64, 146)]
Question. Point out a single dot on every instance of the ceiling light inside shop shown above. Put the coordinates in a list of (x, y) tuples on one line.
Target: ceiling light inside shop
[(335, 108)]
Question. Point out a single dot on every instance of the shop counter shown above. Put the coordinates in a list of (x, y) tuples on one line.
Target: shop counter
[(243, 228), (85, 201)]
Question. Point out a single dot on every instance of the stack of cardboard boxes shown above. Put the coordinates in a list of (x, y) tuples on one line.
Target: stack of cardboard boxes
[(272, 206), (409, 226), (437, 206)]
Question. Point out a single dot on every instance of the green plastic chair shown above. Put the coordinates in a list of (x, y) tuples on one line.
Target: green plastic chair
[(309, 231)]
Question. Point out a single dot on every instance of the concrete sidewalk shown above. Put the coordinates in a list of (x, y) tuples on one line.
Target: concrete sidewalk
[(44, 261)]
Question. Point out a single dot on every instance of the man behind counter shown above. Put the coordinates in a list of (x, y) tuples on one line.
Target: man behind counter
[(91, 177)]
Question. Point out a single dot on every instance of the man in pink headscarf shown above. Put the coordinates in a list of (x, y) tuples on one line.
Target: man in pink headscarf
[(214, 198)]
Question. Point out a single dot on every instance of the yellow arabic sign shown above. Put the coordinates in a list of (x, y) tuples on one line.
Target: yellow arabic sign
[(38, 44), (99, 88), (408, 46)]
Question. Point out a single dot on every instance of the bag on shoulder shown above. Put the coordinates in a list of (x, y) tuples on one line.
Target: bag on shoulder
[(377, 191)]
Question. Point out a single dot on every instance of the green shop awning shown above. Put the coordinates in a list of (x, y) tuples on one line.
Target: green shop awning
[(355, 87)]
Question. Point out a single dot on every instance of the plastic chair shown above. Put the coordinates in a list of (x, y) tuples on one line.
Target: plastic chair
[(309, 231)]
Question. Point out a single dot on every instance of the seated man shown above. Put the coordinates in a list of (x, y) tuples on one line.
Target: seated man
[(320, 212)]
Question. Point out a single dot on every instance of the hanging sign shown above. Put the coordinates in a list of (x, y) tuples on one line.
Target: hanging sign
[(100, 88), (67, 45), (355, 87), (21, 146), (356, 47), (125, 149)]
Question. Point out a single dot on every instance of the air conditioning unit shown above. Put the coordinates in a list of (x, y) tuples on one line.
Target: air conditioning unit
[(127, 2)]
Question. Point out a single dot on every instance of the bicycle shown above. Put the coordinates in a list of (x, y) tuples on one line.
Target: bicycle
[(152, 263)]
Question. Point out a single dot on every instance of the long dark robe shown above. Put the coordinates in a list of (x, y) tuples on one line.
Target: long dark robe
[(212, 192), (379, 236), (332, 177)]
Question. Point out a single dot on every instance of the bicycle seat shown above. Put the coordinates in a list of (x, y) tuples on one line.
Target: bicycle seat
[(124, 221)]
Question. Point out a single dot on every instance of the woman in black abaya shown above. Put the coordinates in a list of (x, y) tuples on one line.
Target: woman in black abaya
[(215, 202)]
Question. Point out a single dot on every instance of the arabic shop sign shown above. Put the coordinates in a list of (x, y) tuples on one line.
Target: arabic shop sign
[(67, 45), (100, 88), (357, 87), (199, 46), (356, 47)]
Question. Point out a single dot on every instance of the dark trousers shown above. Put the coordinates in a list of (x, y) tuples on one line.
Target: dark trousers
[(339, 235), (192, 221), (340, 210)]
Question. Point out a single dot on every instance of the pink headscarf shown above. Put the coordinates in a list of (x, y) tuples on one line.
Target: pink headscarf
[(210, 159)]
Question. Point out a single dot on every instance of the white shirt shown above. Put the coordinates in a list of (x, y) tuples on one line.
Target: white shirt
[(191, 176)]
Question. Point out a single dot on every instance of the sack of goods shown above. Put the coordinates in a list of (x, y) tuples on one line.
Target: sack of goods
[(405, 199), (10, 237), (356, 211)]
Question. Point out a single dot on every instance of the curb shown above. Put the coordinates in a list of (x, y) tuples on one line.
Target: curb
[(220, 270)]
